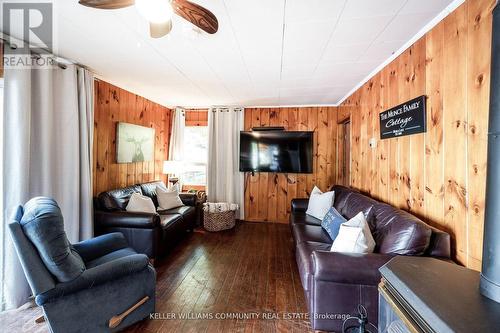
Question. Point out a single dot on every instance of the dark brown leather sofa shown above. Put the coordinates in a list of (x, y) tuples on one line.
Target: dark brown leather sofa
[(151, 234), (335, 283)]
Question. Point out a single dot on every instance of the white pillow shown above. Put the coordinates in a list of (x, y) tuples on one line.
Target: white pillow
[(320, 203), (354, 236), (140, 204), (167, 199)]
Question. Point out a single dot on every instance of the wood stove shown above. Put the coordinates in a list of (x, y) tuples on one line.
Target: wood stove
[(419, 294)]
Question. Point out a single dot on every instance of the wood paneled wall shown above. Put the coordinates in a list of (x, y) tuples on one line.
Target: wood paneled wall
[(440, 175), (268, 195), (113, 105), (196, 117)]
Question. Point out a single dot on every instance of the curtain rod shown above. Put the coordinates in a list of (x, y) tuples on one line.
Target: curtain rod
[(35, 54), (4, 38)]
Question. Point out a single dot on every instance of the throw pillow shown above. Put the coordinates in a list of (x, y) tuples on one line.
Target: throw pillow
[(332, 221), (43, 225), (168, 199), (139, 203), (354, 236), (320, 203)]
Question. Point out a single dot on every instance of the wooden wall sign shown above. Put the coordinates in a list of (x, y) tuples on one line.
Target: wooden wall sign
[(405, 119)]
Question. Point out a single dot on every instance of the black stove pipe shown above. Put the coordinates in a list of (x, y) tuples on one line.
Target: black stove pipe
[(490, 275)]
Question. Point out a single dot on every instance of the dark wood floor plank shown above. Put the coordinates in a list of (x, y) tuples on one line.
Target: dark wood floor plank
[(249, 269), (219, 260)]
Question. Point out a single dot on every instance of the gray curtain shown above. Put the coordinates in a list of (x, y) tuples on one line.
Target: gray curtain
[(225, 183), (176, 146), (47, 148)]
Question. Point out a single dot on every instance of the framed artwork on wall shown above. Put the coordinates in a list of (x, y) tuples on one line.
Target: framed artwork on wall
[(134, 143)]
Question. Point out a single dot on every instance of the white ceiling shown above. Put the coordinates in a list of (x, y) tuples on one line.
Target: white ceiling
[(266, 52)]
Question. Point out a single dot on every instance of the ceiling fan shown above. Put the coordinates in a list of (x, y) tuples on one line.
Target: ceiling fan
[(159, 13)]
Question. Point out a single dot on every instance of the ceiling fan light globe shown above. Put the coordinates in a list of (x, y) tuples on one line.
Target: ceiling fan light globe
[(155, 11)]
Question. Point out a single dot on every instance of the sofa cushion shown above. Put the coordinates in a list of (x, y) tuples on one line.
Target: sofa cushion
[(43, 224), (310, 233), (355, 203), (183, 210), (169, 220), (341, 195), (149, 189), (117, 199), (304, 261), (398, 232), (303, 218)]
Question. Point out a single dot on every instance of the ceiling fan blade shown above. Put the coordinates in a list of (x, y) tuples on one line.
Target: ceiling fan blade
[(197, 15), (106, 4), (157, 30)]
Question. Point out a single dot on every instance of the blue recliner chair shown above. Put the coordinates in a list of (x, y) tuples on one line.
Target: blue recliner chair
[(98, 285)]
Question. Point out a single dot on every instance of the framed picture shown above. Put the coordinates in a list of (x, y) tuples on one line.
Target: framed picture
[(134, 143)]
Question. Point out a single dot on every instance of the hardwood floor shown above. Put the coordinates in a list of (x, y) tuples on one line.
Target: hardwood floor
[(248, 270)]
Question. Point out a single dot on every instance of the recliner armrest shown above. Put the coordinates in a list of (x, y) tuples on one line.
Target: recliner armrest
[(99, 246), (124, 219), (105, 273), (299, 205), (188, 199), (349, 268)]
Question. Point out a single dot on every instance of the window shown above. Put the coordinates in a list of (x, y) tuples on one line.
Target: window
[(196, 154)]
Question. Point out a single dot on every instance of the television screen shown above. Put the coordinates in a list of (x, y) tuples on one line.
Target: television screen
[(276, 151)]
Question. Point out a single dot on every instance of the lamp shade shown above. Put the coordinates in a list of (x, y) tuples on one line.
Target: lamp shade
[(171, 167)]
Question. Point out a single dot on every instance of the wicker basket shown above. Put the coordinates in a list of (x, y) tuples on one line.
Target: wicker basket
[(218, 221)]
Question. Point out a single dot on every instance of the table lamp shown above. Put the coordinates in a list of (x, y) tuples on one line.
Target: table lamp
[(171, 168)]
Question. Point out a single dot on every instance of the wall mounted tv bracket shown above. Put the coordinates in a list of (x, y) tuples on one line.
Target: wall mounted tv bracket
[(257, 129)]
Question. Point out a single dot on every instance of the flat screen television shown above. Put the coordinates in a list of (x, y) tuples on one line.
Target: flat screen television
[(276, 151)]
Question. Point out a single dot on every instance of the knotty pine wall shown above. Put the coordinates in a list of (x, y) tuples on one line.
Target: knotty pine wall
[(440, 175), (268, 195), (113, 105), (196, 117)]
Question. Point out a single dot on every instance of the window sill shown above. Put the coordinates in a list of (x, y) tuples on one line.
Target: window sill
[(186, 187)]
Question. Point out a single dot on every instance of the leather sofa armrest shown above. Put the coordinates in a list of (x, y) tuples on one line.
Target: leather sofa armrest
[(188, 199), (439, 244), (299, 205), (107, 272), (348, 268), (99, 246), (124, 219)]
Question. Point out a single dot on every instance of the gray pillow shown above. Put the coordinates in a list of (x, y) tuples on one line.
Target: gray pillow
[(43, 224)]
